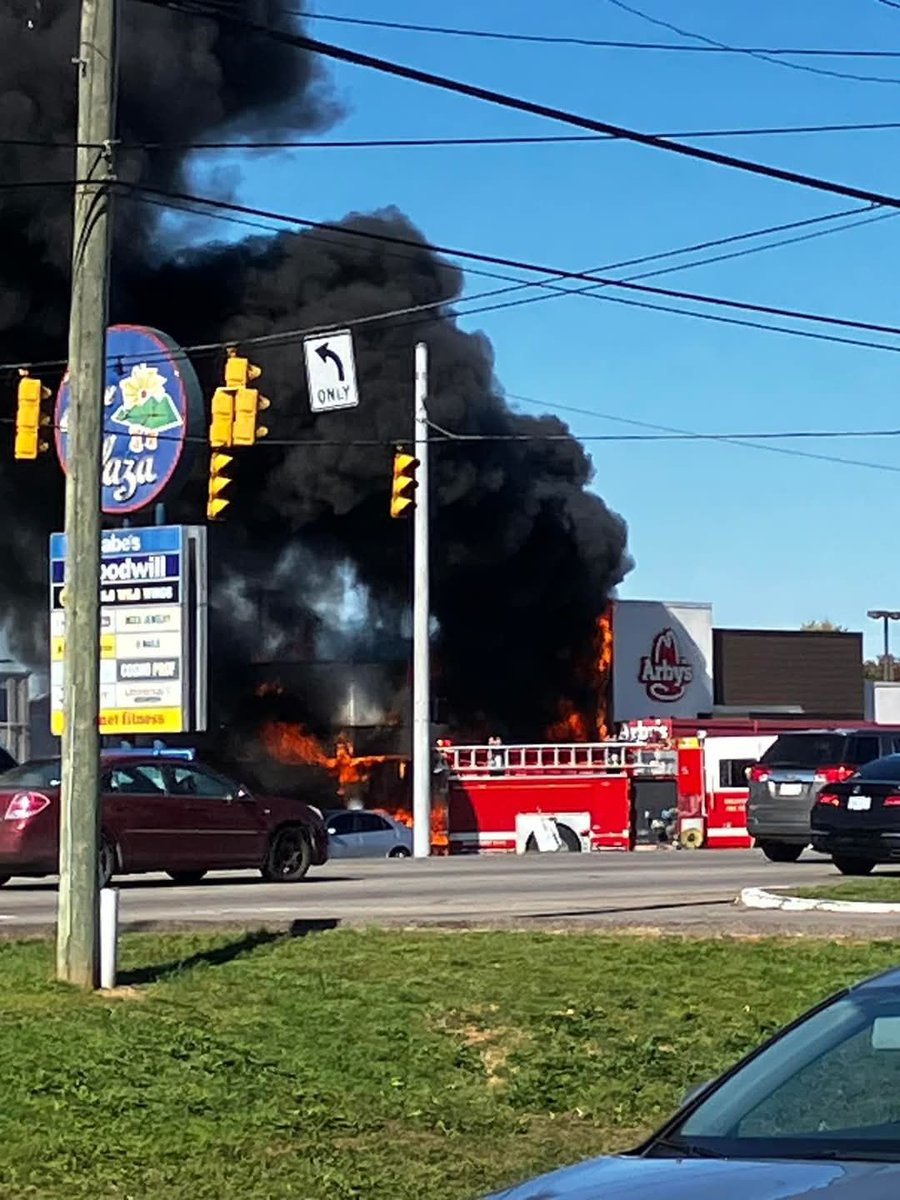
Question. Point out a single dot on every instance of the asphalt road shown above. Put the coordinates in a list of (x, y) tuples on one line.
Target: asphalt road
[(668, 890)]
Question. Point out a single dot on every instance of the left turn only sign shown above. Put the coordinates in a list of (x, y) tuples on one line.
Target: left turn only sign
[(331, 371)]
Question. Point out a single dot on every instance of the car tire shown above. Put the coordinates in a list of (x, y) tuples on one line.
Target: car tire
[(780, 852), (4, 879), (398, 852), (289, 856), (853, 866), (109, 861), (186, 878)]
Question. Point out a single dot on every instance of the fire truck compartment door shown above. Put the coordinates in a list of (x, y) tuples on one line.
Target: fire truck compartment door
[(542, 828)]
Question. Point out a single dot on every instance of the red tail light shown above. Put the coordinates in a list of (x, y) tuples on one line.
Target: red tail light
[(892, 801), (834, 774), (759, 774), (25, 805), (829, 798)]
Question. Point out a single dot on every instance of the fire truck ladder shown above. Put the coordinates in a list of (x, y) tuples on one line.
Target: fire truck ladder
[(577, 758)]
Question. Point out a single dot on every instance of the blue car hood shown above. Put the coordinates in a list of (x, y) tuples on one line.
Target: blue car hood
[(712, 1179)]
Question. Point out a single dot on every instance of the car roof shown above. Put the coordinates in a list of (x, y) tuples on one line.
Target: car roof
[(109, 756), (843, 730)]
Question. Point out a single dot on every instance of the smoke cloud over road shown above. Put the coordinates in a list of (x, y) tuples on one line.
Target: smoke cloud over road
[(524, 555)]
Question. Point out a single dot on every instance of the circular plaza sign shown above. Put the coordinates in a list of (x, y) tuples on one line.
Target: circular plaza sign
[(151, 399)]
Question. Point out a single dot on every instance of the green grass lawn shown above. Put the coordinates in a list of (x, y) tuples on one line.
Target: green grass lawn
[(360, 1065), (884, 889)]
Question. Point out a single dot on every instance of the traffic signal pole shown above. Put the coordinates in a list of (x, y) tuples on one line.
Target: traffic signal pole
[(78, 925), (421, 723)]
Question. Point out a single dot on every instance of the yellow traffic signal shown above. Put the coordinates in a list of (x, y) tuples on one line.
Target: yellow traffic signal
[(403, 491), (239, 371), (221, 426), (248, 403), (218, 482), (29, 418)]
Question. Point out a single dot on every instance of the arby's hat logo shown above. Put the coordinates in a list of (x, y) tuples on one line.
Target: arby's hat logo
[(664, 673)]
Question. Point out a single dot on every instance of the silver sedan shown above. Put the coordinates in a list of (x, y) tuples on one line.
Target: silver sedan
[(812, 1115), (353, 833)]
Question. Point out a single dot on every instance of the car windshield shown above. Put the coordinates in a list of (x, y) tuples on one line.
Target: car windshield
[(829, 1088), (44, 773), (805, 750)]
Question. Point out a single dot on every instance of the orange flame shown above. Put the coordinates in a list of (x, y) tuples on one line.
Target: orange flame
[(604, 648), (440, 838), (573, 724), (295, 745)]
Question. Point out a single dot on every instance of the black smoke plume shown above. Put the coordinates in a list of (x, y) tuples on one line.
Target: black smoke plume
[(524, 555)]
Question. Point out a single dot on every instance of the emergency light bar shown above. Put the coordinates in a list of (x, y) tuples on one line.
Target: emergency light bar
[(187, 755)]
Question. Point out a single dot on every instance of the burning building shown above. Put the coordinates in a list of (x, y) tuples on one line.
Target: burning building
[(310, 577)]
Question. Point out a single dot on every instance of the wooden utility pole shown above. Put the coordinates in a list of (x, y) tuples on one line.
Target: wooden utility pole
[(78, 927)]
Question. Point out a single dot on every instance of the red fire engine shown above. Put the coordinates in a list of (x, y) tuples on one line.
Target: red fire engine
[(658, 777)]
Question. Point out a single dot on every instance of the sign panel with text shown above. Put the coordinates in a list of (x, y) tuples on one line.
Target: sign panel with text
[(153, 597)]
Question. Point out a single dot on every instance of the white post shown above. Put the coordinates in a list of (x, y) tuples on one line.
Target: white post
[(109, 937), (421, 724)]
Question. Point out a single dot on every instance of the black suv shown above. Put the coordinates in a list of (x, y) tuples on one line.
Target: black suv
[(785, 782)]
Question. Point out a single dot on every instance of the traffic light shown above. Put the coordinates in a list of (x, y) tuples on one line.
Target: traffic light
[(29, 418), (236, 406), (221, 425), (403, 491), (218, 482), (248, 403), (239, 371)]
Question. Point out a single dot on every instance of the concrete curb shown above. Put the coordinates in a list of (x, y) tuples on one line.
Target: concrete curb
[(760, 898)]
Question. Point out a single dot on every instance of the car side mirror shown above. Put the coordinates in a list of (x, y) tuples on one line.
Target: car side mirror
[(243, 794)]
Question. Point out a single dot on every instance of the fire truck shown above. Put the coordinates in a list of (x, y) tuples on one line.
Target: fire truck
[(658, 781)]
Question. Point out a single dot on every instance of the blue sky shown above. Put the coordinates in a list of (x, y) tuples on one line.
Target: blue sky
[(770, 539)]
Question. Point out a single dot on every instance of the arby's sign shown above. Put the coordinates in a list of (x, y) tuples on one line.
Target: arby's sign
[(662, 660), (664, 673)]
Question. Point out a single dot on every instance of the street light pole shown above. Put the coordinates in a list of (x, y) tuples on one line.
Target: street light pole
[(421, 724), (886, 616)]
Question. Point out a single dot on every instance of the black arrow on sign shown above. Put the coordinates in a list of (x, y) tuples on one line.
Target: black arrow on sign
[(325, 352)]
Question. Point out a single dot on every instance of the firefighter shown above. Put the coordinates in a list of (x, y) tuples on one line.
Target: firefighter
[(496, 755)]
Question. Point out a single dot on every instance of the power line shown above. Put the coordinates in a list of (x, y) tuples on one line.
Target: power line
[(726, 438), (590, 292), (198, 207), (602, 43), (524, 265), (14, 185), (552, 290), (199, 8), (762, 55), (415, 312), (449, 435), (630, 262), (440, 142)]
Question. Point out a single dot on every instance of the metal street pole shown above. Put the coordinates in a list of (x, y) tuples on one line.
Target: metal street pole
[(421, 731), (885, 615), (78, 924), (888, 666)]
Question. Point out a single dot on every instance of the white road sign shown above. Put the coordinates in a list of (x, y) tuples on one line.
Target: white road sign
[(331, 371)]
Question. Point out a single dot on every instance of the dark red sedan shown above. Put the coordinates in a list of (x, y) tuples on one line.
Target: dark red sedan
[(160, 814)]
